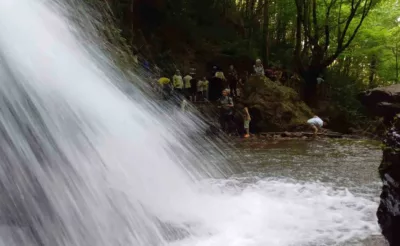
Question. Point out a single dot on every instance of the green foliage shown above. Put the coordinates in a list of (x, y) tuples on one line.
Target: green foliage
[(380, 37), (345, 110)]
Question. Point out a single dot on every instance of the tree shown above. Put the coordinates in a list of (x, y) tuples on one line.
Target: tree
[(266, 32), (375, 49), (324, 31)]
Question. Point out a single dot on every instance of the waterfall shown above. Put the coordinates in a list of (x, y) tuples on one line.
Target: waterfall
[(82, 163)]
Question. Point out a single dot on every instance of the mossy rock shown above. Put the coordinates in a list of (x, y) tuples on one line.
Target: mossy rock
[(274, 107)]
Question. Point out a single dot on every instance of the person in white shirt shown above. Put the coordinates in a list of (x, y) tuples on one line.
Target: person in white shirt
[(259, 68), (320, 80), (315, 123)]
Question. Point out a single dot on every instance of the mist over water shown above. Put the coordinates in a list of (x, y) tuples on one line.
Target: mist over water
[(88, 159)]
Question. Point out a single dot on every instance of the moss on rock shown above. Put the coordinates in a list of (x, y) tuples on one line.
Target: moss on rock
[(274, 107)]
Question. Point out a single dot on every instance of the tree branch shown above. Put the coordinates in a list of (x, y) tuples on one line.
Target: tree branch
[(367, 8), (315, 20), (353, 12), (327, 31), (341, 46)]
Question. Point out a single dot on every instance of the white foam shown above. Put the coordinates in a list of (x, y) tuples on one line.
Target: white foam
[(279, 213)]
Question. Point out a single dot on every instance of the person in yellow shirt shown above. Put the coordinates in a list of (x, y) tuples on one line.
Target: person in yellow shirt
[(219, 74), (166, 87), (202, 88), (164, 81), (177, 81)]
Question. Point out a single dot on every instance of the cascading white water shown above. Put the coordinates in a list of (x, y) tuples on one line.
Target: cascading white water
[(84, 163)]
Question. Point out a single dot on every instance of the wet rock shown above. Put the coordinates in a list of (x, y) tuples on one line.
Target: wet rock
[(382, 101), (389, 170), (385, 102), (298, 134)]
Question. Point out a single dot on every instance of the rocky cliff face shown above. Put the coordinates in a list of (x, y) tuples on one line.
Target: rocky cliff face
[(389, 170), (385, 102)]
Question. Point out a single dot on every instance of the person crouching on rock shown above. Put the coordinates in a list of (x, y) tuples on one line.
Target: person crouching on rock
[(315, 123), (226, 110), (166, 87)]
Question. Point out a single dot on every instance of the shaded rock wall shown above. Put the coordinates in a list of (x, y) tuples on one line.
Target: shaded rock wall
[(385, 102), (389, 170), (382, 101)]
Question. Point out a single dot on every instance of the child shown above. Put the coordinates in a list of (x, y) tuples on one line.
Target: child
[(246, 120), (315, 123)]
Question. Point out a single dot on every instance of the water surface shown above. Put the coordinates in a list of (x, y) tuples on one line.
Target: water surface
[(336, 177)]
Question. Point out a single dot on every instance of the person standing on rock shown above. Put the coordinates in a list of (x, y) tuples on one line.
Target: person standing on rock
[(202, 88), (233, 80), (246, 120), (177, 81), (193, 87), (226, 111), (316, 124), (217, 84), (188, 85), (259, 68)]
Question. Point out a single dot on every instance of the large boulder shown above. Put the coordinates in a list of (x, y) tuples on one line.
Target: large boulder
[(274, 107), (382, 101)]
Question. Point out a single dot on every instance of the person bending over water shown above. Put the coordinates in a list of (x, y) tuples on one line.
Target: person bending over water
[(315, 123)]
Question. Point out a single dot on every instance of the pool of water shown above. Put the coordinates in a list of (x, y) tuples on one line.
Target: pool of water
[(292, 193), (335, 171)]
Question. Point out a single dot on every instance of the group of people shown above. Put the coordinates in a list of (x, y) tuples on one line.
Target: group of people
[(206, 88), (194, 88), (226, 105)]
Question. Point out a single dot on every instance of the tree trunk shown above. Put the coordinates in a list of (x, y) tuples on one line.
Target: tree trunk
[(311, 86), (298, 46), (266, 33), (396, 53), (372, 71)]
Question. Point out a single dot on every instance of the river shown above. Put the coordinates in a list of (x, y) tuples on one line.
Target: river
[(303, 193), (322, 192)]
